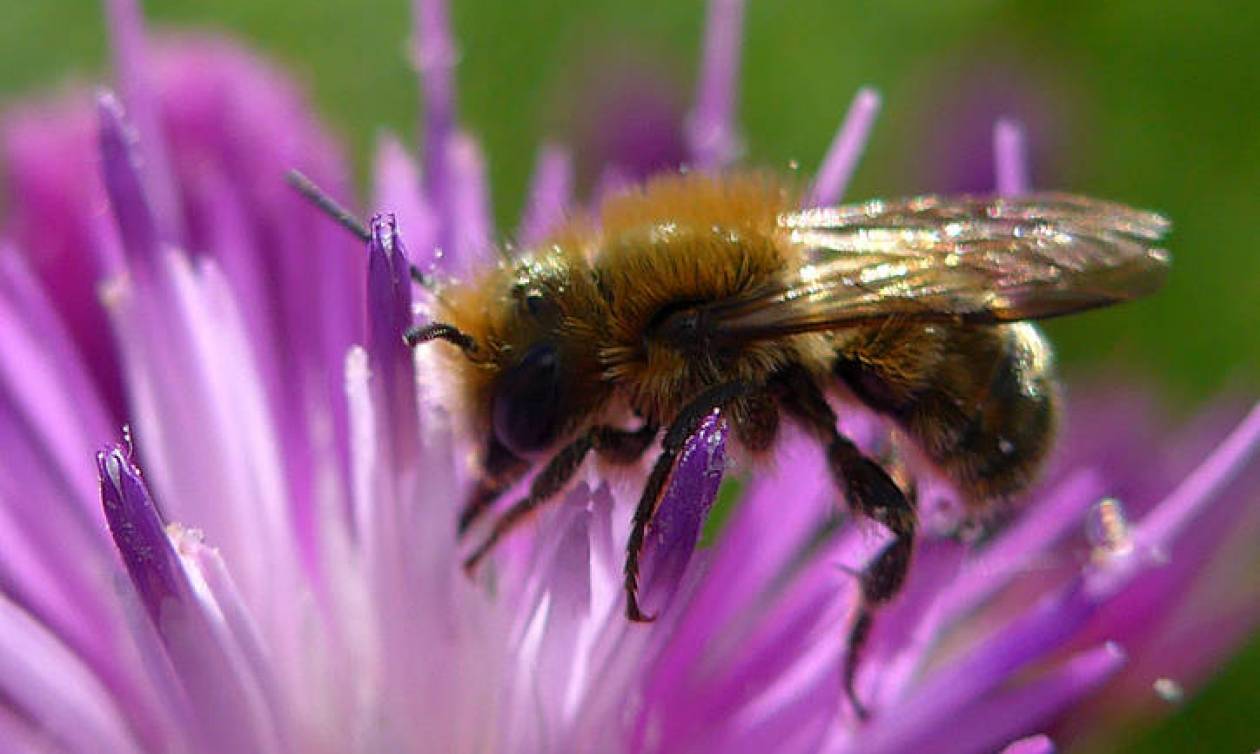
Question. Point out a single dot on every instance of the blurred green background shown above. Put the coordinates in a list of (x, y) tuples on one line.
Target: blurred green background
[(1156, 104)]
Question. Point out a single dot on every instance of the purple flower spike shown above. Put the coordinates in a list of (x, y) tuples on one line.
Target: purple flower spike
[(550, 195), (140, 535), (1010, 158), (675, 529), (845, 150), (470, 227), (711, 132), (120, 164), (435, 54), (389, 317), (226, 704), (324, 609), (1201, 487), (133, 64), (1031, 745), (398, 187)]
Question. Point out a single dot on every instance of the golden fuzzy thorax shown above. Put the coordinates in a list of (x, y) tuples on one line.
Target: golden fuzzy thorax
[(676, 242)]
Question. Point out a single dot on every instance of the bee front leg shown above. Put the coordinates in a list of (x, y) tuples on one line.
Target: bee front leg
[(615, 445), (500, 470), (554, 476), (682, 428)]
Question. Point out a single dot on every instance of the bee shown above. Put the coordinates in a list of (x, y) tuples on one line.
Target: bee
[(697, 293)]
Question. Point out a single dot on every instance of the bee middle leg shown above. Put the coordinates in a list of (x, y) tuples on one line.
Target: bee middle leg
[(613, 444), (870, 491)]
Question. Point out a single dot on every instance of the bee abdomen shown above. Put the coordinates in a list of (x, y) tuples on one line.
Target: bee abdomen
[(980, 402)]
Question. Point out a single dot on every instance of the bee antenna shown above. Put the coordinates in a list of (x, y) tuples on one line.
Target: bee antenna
[(326, 204), (346, 219), (440, 331)]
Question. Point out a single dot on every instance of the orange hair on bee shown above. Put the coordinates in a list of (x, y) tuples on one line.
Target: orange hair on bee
[(739, 201)]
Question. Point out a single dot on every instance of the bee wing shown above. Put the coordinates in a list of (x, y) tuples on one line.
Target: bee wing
[(954, 259)]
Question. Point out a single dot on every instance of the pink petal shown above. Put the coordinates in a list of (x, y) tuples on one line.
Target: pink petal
[(398, 191), (711, 133), (845, 150), (228, 708), (1010, 159), (550, 194), (51, 687), (134, 68), (124, 182)]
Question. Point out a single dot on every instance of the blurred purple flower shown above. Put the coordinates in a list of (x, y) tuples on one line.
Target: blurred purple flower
[(319, 606), (628, 122), (958, 104)]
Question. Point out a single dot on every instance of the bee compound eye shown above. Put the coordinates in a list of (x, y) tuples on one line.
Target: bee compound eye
[(526, 408)]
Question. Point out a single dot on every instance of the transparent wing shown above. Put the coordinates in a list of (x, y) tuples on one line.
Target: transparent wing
[(954, 259)]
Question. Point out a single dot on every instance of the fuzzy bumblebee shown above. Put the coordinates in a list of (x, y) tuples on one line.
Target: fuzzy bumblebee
[(699, 293)]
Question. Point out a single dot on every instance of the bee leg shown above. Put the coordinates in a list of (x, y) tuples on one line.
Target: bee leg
[(682, 428), (500, 469), (869, 491), (621, 447), (872, 492), (616, 445), (554, 476)]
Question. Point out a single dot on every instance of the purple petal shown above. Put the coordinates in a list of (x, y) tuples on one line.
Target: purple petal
[(45, 382), (1010, 158), (134, 68), (568, 604), (140, 536), (397, 190), (235, 125), (46, 683), (51, 169), (389, 316), (467, 242), (989, 724), (907, 629), (550, 195), (612, 181), (1203, 485), (762, 536), (845, 150), (951, 689), (750, 667), (711, 133), (120, 165), (675, 528), (434, 55), (1022, 547), (1031, 745), (630, 118), (23, 735), (229, 709)]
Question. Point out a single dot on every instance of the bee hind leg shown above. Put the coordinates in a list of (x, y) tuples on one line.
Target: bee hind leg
[(682, 428), (870, 491)]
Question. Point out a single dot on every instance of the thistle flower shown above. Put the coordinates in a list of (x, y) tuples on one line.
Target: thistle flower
[(283, 574)]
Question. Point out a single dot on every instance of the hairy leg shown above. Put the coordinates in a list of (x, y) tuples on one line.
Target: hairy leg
[(500, 469), (870, 491), (682, 428), (616, 445)]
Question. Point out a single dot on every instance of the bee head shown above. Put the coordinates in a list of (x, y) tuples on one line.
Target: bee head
[(528, 336)]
